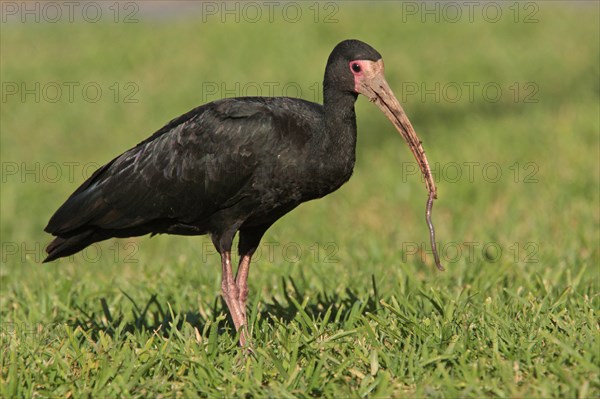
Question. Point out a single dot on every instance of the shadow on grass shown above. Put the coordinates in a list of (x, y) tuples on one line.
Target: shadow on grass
[(341, 307), (155, 316)]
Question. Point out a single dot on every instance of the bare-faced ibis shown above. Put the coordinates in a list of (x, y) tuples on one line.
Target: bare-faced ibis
[(235, 165)]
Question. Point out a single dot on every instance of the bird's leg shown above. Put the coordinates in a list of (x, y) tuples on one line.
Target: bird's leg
[(230, 293), (241, 281), (249, 240)]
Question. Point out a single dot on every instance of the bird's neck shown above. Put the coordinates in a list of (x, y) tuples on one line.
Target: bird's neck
[(340, 119)]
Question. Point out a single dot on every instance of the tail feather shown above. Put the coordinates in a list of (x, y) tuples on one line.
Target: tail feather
[(65, 246)]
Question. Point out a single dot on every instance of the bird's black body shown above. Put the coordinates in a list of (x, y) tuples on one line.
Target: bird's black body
[(231, 165)]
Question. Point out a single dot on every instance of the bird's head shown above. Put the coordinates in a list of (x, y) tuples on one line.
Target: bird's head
[(357, 68)]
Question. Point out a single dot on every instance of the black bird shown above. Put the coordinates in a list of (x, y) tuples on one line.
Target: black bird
[(231, 166)]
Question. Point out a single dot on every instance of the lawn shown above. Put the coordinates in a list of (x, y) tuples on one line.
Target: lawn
[(345, 300)]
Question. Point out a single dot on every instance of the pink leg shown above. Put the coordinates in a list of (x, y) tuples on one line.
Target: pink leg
[(241, 281), (231, 294)]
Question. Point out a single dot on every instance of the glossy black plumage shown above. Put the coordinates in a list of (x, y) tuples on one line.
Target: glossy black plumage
[(241, 161)]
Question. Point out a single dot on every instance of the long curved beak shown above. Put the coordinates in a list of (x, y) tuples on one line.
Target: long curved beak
[(372, 84), (377, 90)]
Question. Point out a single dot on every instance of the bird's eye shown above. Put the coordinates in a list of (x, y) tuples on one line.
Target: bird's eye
[(356, 67)]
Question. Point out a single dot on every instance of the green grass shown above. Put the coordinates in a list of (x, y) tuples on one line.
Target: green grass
[(344, 298)]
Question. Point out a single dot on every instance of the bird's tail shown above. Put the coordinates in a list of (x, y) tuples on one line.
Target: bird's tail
[(68, 245)]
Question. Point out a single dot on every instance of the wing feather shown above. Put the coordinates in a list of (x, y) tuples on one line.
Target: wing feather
[(184, 172)]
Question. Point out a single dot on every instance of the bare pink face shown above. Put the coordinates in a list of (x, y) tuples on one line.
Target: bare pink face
[(365, 73)]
